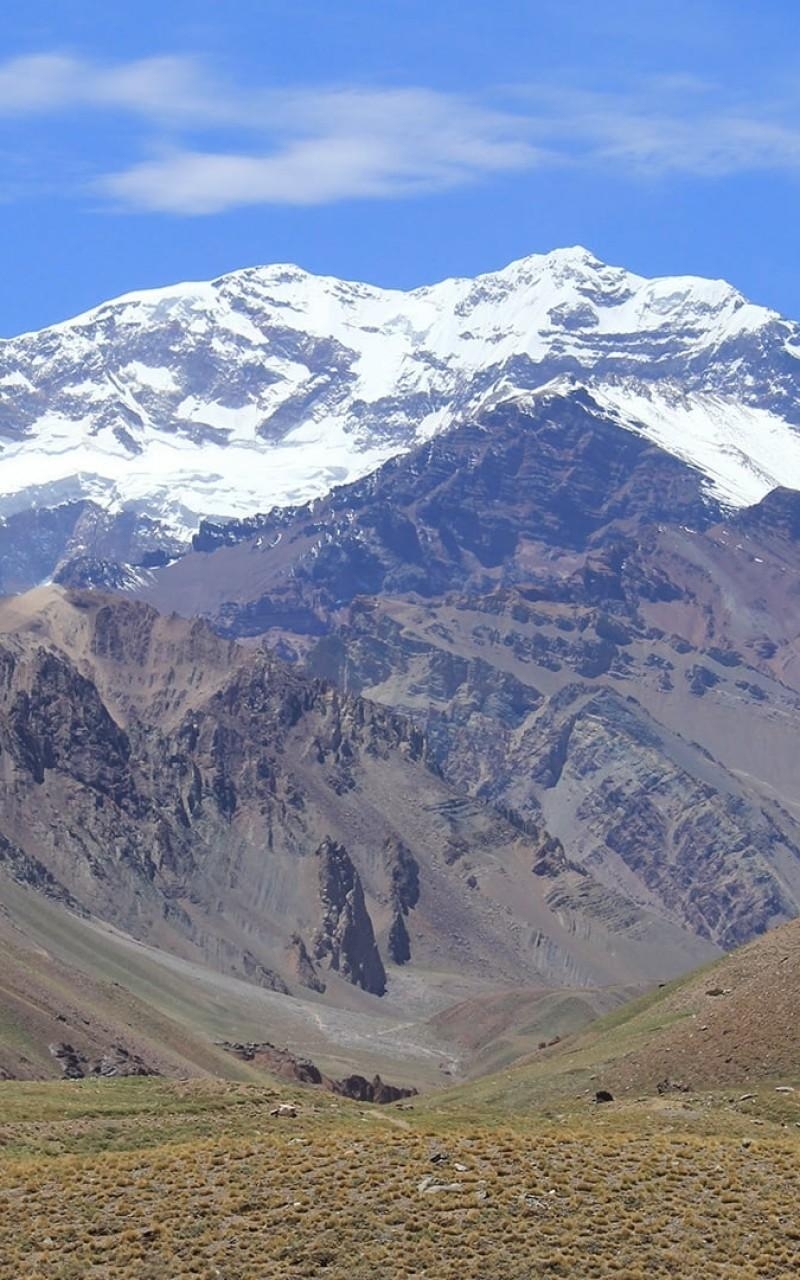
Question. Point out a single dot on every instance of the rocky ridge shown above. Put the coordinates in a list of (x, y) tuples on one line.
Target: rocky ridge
[(345, 939)]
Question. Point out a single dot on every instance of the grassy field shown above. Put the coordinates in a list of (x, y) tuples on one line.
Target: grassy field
[(691, 1172), (150, 1180)]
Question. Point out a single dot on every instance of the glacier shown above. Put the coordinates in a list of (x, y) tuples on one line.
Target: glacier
[(270, 385)]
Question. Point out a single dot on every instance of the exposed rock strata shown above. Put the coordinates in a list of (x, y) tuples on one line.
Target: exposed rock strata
[(177, 786)]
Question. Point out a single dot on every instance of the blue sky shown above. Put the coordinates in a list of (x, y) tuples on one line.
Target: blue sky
[(397, 141)]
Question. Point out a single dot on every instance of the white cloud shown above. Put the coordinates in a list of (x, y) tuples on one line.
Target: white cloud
[(206, 145), (299, 146), (39, 83), (343, 144), (175, 90)]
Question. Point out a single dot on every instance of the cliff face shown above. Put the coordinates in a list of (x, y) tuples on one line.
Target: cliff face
[(209, 799)]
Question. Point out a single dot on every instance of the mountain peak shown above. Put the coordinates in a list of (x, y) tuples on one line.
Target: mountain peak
[(568, 255), (270, 385)]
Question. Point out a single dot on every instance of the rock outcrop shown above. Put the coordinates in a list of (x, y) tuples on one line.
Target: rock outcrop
[(304, 968), (345, 940), (403, 871), (287, 1066), (116, 1061)]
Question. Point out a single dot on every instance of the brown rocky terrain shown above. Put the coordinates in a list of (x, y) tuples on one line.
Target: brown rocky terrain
[(287, 1066), (736, 1022), (734, 1025), (207, 799), (657, 792)]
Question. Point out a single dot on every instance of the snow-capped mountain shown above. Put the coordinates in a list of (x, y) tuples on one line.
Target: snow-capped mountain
[(269, 386)]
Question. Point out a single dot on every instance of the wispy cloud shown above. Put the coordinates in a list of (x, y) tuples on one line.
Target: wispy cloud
[(207, 144), (335, 145), (168, 89), (295, 146), (669, 125)]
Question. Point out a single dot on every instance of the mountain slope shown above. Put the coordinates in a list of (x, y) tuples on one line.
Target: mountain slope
[(70, 978), (525, 490), (206, 799), (269, 385), (580, 634), (734, 1024), (57, 1017)]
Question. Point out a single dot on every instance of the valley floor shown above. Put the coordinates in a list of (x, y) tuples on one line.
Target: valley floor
[(152, 1180)]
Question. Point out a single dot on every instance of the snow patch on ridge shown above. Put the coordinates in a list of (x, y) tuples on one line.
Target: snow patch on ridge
[(744, 451)]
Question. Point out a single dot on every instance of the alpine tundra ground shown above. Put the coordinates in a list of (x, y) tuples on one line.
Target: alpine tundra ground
[(148, 1180)]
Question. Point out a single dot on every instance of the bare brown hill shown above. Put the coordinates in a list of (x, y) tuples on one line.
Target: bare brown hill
[(735, 1022), (731, 1025)]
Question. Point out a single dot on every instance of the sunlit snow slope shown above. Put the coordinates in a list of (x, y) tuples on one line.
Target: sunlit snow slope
[(270, 385)]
